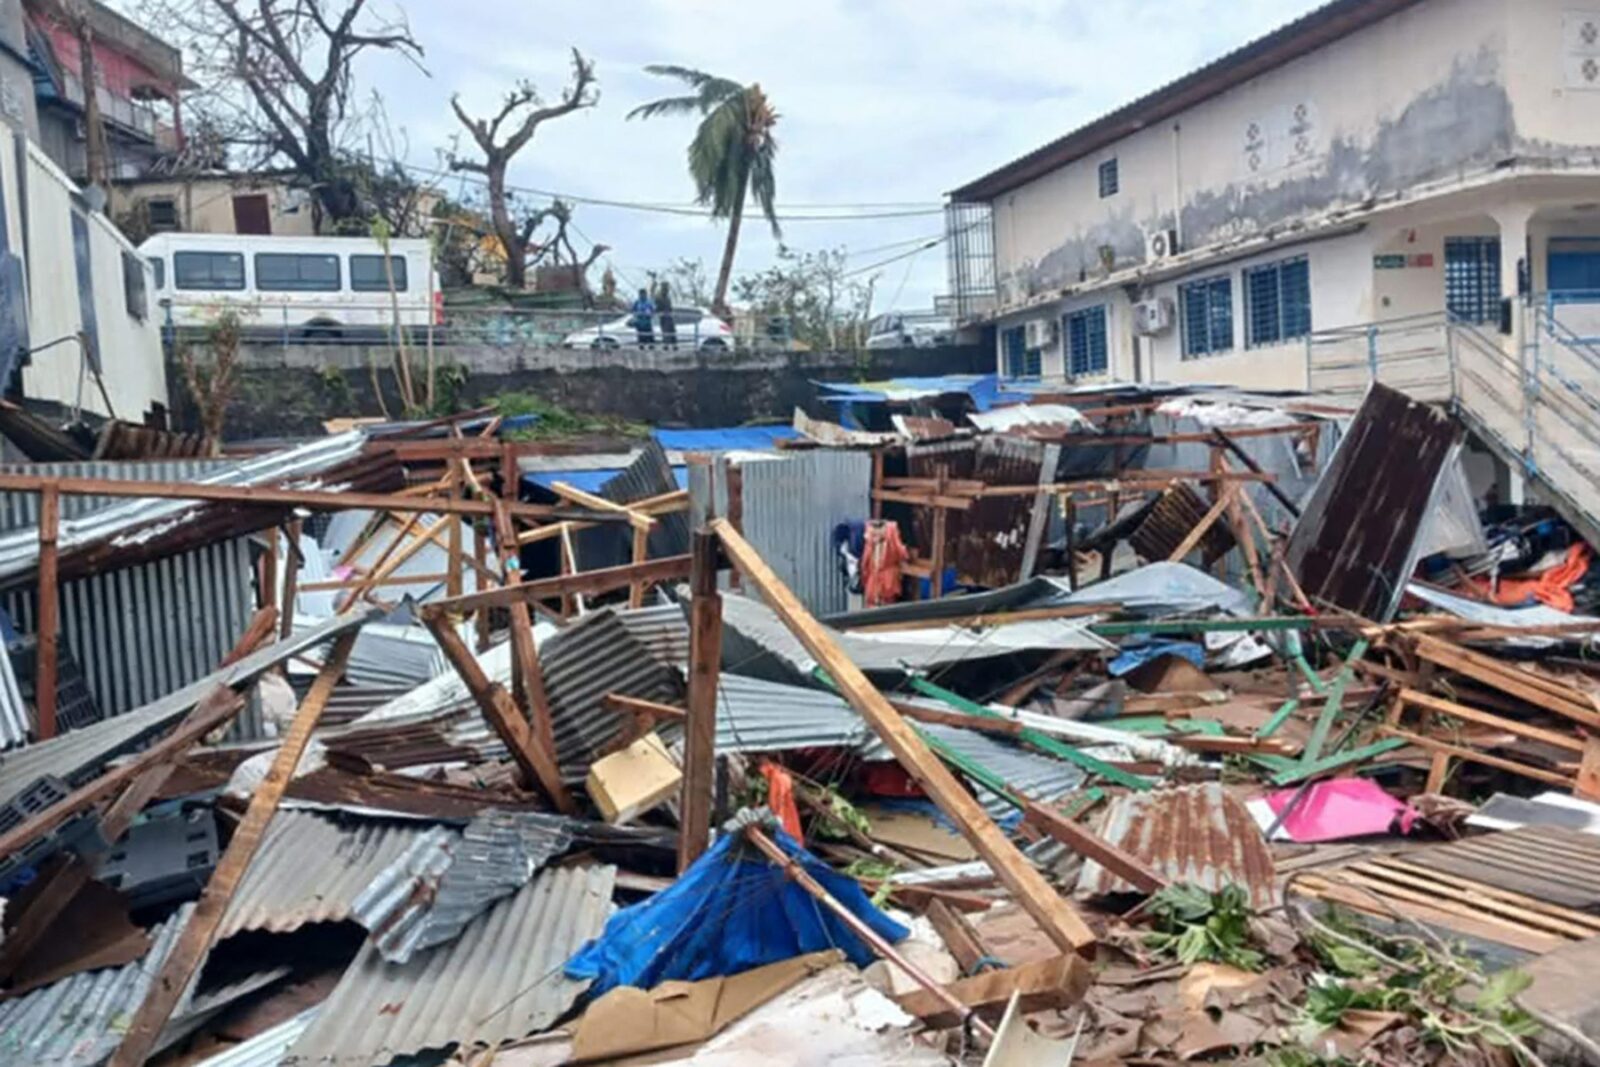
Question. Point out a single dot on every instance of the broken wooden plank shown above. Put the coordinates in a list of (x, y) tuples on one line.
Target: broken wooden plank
[(529, 672), (958, 935), (536, 764), (1055, 916), (584, 583), (1554, 738), (1191, 540), (1541, 692), (47, 641), (1055, 983), (195, 941)]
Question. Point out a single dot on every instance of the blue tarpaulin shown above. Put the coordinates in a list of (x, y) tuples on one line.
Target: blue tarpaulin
[(727, 439), (1135, 656), (986, 390), (591, 481), (732, 910)]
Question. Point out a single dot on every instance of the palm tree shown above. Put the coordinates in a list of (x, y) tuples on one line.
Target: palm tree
[(730, 158)]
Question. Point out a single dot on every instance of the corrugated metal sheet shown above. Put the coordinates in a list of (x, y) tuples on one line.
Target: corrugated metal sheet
[(16, 718), (790, 507), (80, 755), (662, 628), (1355, 545), (648, 474), (594, 656), (144, 631), (423, 902), (758, 716), (136, 521), (501, 980), (390, 654), (999, 420), (79, 1021), (311, 868), (752, 632), (1198, 834), (19, 510), (988, 543), (267, 1048)]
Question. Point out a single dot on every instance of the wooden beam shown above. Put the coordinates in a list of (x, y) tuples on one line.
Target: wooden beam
[(454, 584), (998, 618), (958, 935), (335, 584), (1554, 738), (1192, 538), (291, 580), (705, 665), (1541, 692), (1049, 909), (641, 555), (1008, 727), (46, 647), (529, 672), (537, 766), (587, 583), (638, 706), (480, 558), (201, 929), (1055, 983), (1472, 755), (1587, 784), (638, 520), (1090, 845), (310, 499)]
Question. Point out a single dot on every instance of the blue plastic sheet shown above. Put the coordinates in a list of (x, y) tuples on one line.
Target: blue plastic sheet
[(732, 910), (1135, 656)]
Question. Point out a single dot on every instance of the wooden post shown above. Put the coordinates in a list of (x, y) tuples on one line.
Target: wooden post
[(195, 940), (877, 484), (1587, 784), (1070, 519), (527, 673), (641, 554), (1053, 913), (480, 556), (291, 582), (509, 475), (453, 585), (700, 737), (48, 629), (268, 593), (536, 764), (940, 520)]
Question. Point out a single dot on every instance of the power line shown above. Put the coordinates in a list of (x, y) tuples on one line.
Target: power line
[(700, 212), (895, 259)]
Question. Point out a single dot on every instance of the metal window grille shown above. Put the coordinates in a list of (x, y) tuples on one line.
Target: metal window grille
[(1207, 321), (969, 241), (1086, 341), (1108, 178), (1277, 301), (1472, 278)]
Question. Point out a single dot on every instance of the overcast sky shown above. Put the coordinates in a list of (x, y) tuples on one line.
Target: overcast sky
[(880, 102)]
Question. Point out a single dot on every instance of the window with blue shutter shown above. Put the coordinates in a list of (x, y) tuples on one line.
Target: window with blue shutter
[(1207, 322), (1277, 298), (1085, 332), (1472, 278)]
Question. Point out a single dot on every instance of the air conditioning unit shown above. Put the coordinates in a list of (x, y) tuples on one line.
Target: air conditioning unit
[(1153, 316), (1040, 333), (1160, 244)]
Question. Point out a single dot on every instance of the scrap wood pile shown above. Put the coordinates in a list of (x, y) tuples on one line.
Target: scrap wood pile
[(481, 779)]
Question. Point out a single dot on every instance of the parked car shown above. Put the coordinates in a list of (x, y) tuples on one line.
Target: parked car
[(901, 330), (695, 327)]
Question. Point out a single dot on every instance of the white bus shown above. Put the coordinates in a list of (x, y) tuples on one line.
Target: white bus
[(302, 286)]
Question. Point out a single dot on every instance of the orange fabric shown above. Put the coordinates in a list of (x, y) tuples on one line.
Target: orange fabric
[(780, 798), (1553, 587), (882, 553)]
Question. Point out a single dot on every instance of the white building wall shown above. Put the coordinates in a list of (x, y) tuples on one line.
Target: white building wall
[(132, 363), (1434, 122)]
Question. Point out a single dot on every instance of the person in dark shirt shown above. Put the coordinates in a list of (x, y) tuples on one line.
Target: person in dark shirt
[(669, 327), (643, 312)]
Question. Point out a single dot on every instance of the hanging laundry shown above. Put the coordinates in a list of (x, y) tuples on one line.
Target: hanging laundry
[(780, 798), (848, 539), (881, 557)]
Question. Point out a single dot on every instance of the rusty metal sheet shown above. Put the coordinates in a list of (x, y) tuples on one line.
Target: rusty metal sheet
[(1356, 542), (988, 542), (1200, 835), (1176, 513), (923, 427)]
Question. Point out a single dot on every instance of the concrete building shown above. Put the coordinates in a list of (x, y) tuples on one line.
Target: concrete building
[(212, 202), (139, 77), (1377, 161)]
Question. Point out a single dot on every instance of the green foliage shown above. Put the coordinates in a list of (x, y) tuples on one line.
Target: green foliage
[(874, 871), (1196, 925), (823, 307), (337, 387), (448, 380), (841, 817), (556, 421)]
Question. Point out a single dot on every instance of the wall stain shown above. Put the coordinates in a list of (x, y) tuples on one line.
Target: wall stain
[(1462, 125)]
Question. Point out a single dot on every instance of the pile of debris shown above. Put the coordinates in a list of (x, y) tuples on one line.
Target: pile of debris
[(1114, 729)]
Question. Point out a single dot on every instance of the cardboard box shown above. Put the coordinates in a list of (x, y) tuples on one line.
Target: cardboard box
[(627, 783)]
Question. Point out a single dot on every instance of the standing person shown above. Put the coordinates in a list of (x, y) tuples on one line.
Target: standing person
[(669, 327), (643, 310)]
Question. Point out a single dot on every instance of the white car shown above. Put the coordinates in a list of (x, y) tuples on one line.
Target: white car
[(694, 327)]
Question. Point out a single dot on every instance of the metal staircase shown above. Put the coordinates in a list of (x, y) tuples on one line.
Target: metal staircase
[(1540, 413)]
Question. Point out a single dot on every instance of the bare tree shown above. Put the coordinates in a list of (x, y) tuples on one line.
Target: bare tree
[(278, 77), (501, 136), (211, 376)]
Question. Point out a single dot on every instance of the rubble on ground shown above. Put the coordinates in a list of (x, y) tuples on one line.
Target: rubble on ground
[(963, 726)]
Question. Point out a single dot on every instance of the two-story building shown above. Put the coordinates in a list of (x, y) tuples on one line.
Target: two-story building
[(1373, 160)]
